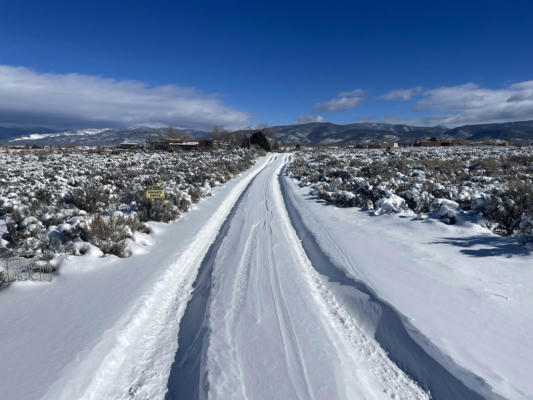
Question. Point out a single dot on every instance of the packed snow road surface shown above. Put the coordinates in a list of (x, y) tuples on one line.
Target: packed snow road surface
[(263, 325)]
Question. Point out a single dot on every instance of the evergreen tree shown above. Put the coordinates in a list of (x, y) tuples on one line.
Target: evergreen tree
[(259, 139)]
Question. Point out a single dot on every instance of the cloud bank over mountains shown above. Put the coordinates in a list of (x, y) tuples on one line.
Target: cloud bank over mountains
[(31, 98), (468, 104), (449, 106), (471, 104)]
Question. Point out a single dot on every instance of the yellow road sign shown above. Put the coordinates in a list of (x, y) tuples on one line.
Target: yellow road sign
[(155, 194)]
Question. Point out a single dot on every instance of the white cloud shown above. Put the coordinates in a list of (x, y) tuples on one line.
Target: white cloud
[(343, 101), (308, 118), (66, 100), (401, 94), (470, 104)]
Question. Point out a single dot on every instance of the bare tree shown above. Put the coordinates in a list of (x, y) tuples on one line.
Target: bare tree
[(240, 138), (219, 133), (232, 138)]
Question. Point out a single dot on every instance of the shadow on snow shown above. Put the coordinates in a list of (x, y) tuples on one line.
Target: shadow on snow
[(492, 245)]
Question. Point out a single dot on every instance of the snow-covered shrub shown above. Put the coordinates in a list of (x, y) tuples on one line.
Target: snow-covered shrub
[(47, 201), (165, 210), (505, 208), (389, 204), (519, 202), (526, 226), (494, 183), (110, 233), (91, 197), (195, 193), (447, 210)]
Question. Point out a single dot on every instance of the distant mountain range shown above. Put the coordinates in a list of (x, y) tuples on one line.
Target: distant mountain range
[(7, 133), (328, 133), (86, 137), (312, 133), (520, 131)]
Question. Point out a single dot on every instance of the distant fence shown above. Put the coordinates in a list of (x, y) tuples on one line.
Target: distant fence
[(20, 269)]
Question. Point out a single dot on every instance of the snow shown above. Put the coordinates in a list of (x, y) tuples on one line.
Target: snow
[(263, 292), (185, 144), (445, 209), (3, 226), (465, 290), (391, 203), (82, 335), (275, 329), (78, 132)]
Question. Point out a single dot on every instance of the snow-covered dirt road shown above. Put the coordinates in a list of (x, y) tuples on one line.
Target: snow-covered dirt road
[(263, 325), (252, 305), (273, 318)]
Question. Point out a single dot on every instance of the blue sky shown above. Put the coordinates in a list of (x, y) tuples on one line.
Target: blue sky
[(197, 64)]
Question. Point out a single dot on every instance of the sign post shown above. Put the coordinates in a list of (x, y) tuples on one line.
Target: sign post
[(157, 192)]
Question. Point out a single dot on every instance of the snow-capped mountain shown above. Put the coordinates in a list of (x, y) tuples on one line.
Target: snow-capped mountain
[(93, 137), (78, 133), (311, 133)]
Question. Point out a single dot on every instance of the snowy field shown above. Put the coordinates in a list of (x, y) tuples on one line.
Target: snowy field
[(464, 293), (75, 202), (263, 291), (491, 185)]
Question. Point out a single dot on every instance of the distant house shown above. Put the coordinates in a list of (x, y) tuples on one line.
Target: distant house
[(439, 143), (171, 144), (130, 146), (23, 148), (429, 143)]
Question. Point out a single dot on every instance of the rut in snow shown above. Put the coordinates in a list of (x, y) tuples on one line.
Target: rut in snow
[(187, 378), (388, 324)]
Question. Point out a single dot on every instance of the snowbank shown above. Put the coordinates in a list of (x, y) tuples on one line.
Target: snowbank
[(466, 290)]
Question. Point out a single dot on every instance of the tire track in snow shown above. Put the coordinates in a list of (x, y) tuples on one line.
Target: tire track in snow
[(293, 351), (290, 302), (188, 375), (239, 293), (389, 381)]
